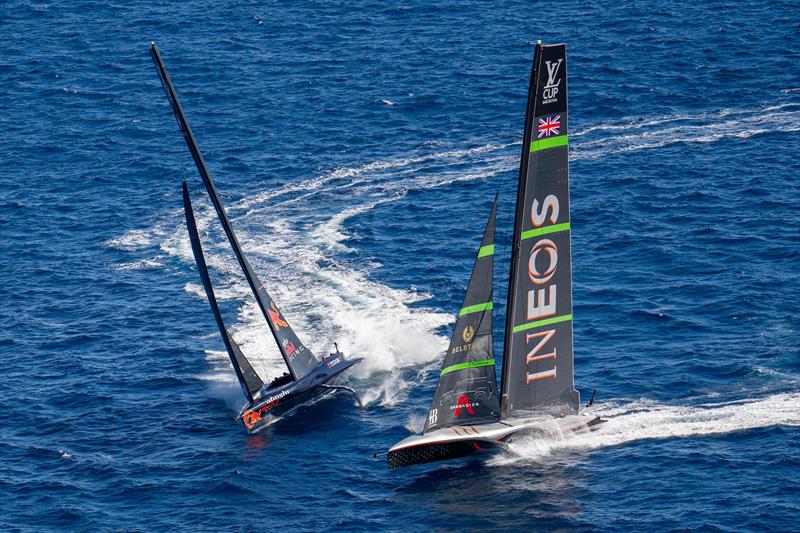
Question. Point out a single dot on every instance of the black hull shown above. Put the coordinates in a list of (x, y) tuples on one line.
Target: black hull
[(275, 403), (430, 453)]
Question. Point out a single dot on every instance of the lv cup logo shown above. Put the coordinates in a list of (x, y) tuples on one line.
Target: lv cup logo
[(550, 92)]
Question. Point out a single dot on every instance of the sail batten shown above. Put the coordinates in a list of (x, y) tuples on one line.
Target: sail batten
[(467, 389), (537, 375), (297, 356)]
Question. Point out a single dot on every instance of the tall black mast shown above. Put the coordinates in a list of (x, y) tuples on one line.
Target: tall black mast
[(530, 112), (298, 357)]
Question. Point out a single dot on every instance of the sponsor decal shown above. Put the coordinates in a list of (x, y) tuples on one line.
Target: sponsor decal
[(550, 92), (252, 416), (464, 403), (549, 247), (469, 333), (288, 348), (549, 126), (275, 317), (535, 355), (462, 348), (543, 295), (334, 362), (433, 416)]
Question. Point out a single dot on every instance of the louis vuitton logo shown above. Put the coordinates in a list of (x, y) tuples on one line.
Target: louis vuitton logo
[(550, 92)]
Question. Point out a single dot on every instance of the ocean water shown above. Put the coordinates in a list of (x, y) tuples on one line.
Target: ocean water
[(358, 148)]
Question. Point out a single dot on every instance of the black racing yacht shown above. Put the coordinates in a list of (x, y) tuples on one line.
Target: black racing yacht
[(308, 376)]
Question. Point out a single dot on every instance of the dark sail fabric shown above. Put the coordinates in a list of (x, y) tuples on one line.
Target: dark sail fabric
[(298, 357), (248, 378), (538, 358), (467, 390)]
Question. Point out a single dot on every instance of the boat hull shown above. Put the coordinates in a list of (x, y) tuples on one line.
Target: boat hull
[(459, 441), (274, 404)]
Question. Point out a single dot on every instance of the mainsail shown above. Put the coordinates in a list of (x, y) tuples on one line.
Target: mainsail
[(538, 358), (248, 378), (298, 357), (467, 389)]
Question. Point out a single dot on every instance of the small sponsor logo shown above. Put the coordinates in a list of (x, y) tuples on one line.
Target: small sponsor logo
[(433, 416), (549, 126), (464, 403), (462, 348), (543, 246), (469, 333), (275, 317), (550, 92), (252, 416), (288, 347), (334, 362)]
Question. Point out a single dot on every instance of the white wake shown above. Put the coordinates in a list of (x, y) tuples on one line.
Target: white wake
[(299, 242), (643, 419)]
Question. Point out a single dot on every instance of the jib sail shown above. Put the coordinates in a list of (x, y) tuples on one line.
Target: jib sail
[(298, 357), (538, 359), (248, 378), (467, 390)]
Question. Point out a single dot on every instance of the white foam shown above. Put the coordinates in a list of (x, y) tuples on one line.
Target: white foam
[(295, 236), (635, 134), (415, 423), (644, 419), (146, 264), (132, 240)]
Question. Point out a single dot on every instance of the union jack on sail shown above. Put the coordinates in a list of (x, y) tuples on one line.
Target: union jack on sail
[(549, 126)]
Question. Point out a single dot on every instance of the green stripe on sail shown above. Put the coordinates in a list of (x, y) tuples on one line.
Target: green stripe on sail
[(477, 308), (468, 364), (540, 323), (564, 226), (486, 250), (551, 142)]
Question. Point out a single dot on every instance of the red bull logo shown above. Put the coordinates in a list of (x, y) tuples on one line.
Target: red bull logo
[(252, 416), (275, 317), (288, 347)]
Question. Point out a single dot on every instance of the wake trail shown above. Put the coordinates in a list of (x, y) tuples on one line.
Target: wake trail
[(295, 235), (635, 134), (644, 420)]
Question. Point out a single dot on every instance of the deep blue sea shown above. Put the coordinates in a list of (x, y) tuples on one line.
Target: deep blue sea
[(358, 148)]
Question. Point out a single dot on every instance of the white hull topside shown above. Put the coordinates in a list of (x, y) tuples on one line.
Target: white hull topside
[(497, 432)]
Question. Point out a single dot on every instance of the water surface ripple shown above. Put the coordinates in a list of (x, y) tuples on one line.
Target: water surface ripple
[(358, 150)]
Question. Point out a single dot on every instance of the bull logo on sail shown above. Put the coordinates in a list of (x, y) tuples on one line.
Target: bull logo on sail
[(275, 316)]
